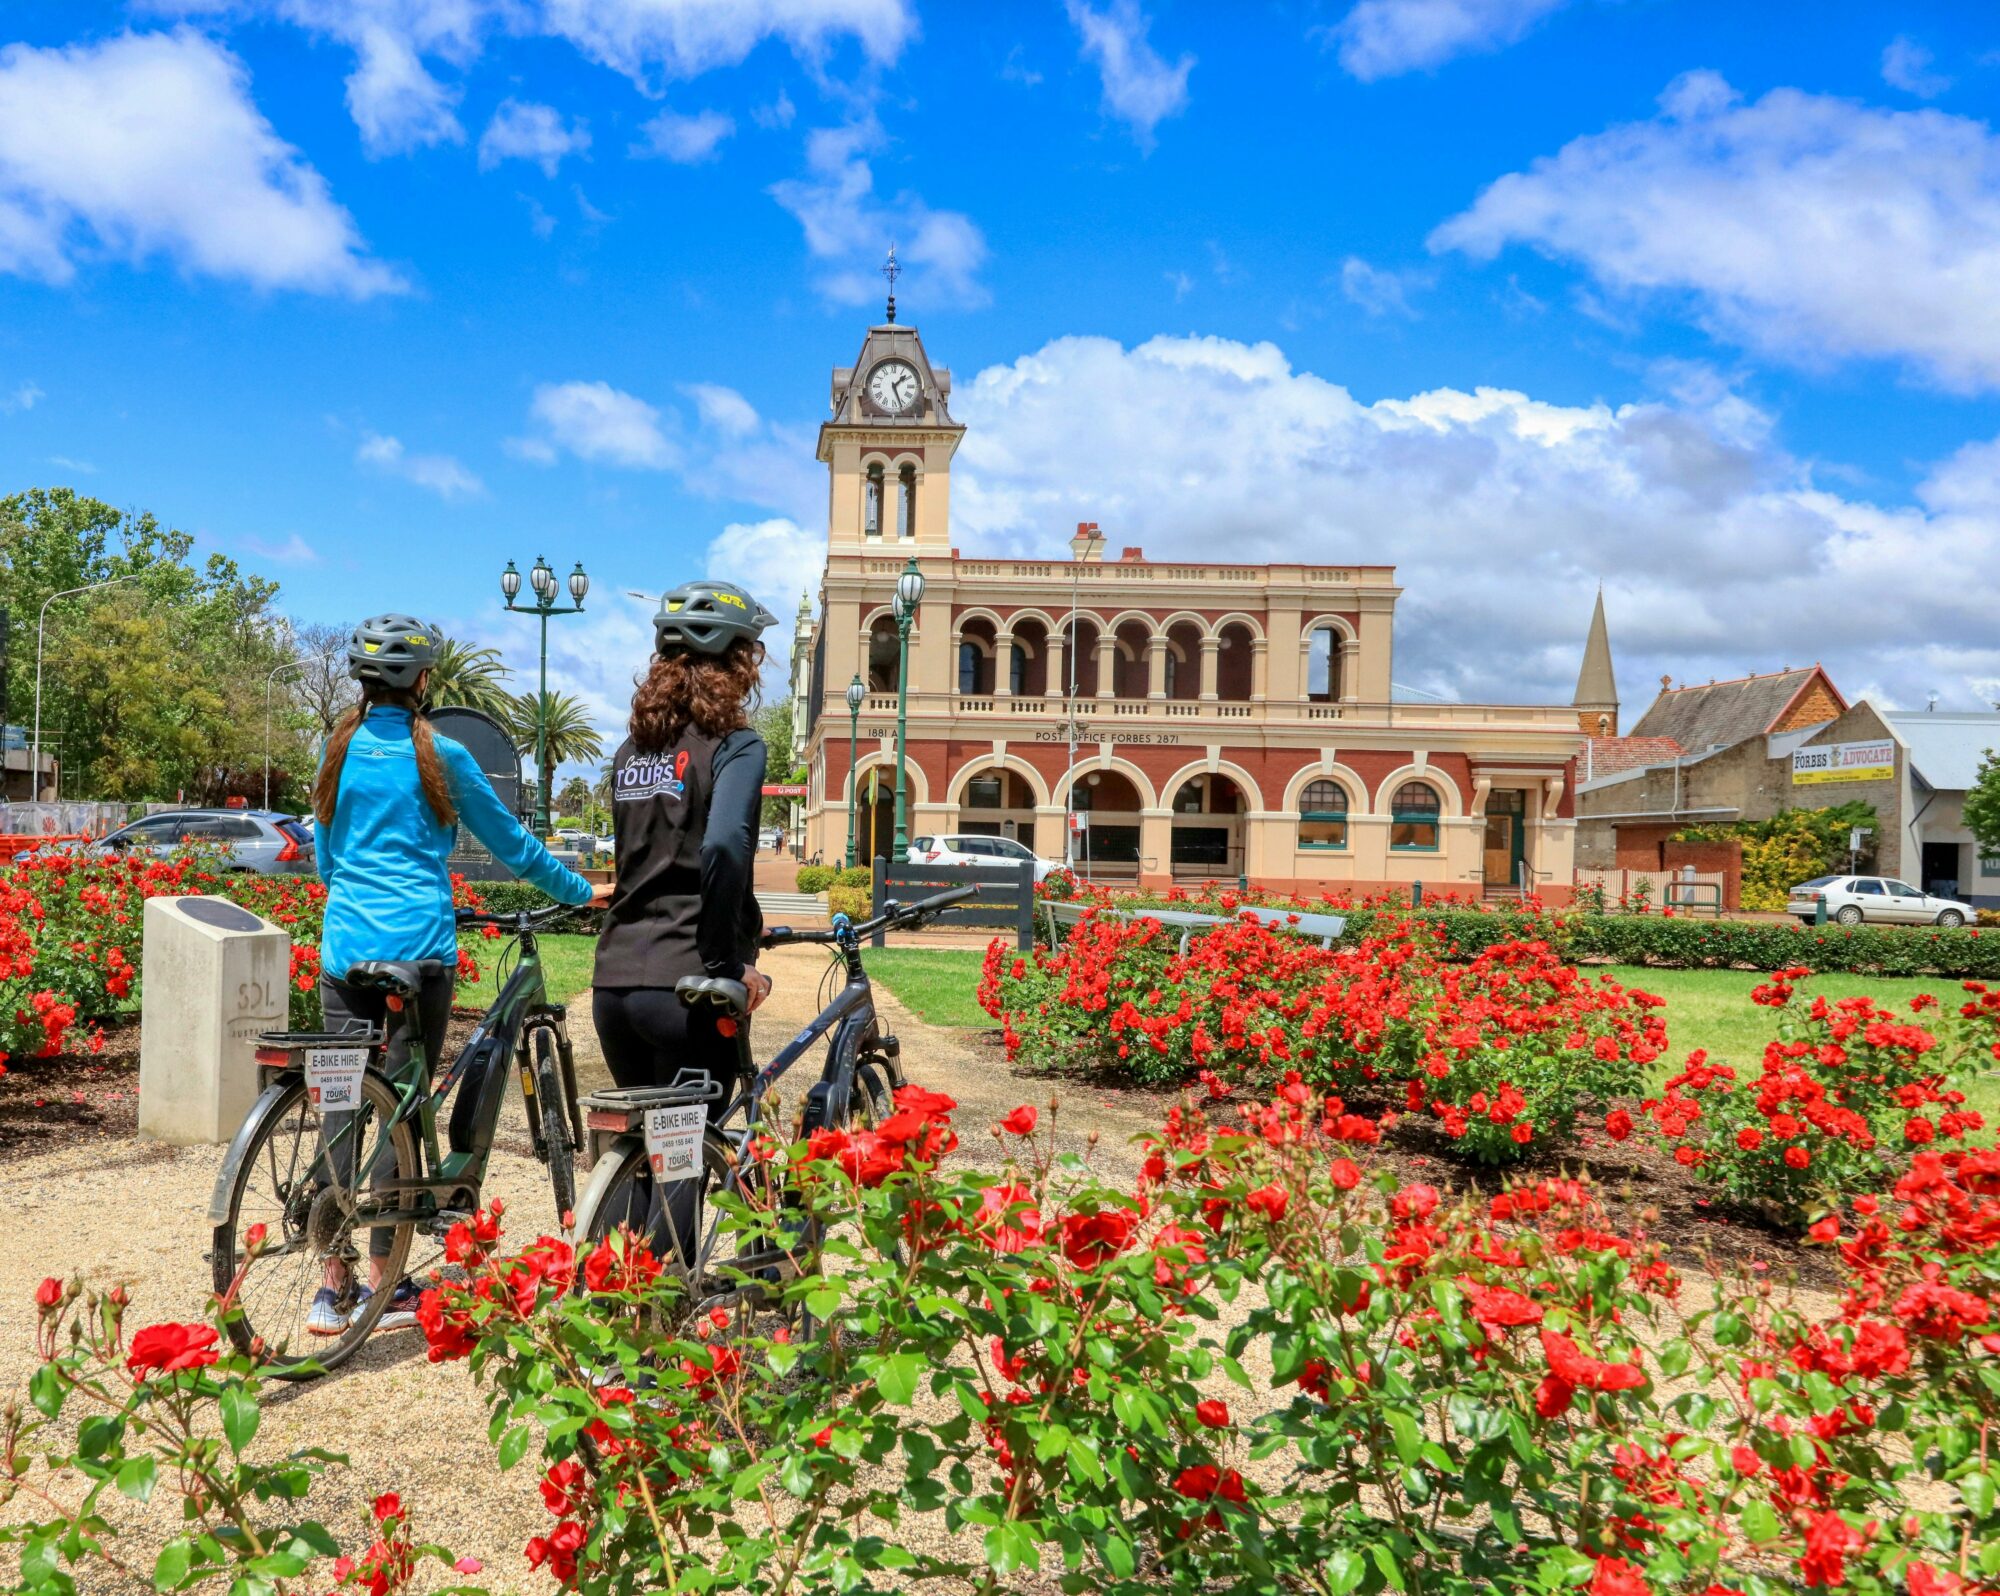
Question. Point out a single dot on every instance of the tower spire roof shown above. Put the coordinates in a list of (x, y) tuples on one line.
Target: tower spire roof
[(892, 271), (1596, 686)]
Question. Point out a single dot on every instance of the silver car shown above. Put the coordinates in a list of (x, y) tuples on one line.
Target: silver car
[(252, 841), (1875, 900)]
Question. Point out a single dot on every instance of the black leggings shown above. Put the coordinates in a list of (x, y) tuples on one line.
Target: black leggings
[(649, 1037), (357, 1008)]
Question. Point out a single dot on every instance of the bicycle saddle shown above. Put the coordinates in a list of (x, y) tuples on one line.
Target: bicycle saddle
[(731, 995), (403, 977)]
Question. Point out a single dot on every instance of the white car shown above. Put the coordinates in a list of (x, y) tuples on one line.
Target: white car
[(1875, 900), (974, 850)]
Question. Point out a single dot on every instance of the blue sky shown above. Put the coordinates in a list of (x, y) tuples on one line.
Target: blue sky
[(1693, 299)]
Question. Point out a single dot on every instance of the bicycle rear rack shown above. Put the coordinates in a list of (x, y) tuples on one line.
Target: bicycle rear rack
[(621, 1110)]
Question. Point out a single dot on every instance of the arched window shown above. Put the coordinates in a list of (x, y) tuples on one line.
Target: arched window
[(908, 519), (968, 666), (1017, 668), (1189, 800), (1323, 666), (1323, 815), (872, 502), (1413, 817)]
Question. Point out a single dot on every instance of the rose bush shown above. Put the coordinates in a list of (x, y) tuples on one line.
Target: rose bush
[(1501, 1050), (1845, 1093), (70, 939)]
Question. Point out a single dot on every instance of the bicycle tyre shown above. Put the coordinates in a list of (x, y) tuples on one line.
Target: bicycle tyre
[(298, 1239), (553, 1106)]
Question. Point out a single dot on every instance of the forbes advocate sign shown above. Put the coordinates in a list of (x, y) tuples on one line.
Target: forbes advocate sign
[(1844, 762)]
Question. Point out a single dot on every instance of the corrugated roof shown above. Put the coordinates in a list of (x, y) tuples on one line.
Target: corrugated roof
[(1946, 748), (1722, 714)]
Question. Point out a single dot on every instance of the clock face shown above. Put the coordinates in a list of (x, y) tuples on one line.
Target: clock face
[(893, 386)]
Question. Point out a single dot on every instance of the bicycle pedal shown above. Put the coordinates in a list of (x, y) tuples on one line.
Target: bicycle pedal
[(440, 1227)]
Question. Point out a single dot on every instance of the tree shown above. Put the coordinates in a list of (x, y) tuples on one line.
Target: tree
[(1982, 806), (774, 725), (574, 798), (471, 678), (571, 738), (322, 688)]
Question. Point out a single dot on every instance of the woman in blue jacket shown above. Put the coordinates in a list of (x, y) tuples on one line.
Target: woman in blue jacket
[(389, 798)]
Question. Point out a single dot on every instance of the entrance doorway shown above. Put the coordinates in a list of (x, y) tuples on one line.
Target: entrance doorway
[(1940, 863), (1506, 836)]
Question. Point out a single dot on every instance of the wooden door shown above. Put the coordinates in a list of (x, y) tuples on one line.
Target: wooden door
[(1500, 851)]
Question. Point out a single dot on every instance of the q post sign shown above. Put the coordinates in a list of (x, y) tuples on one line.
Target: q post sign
[(1832, 762)]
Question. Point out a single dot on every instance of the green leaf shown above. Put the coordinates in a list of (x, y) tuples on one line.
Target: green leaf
[(98, 1434), (1117, 1554), (46, 1390), (1343, 1572), (514, 1445), (1051, 1442), (135, 1478), (896, 1377), (240, 1416), (1408, 1435), (1009, 1546), (1976, 1491), (1385, 1559), (1760, 1522), (822, 1302), (171, 1571)]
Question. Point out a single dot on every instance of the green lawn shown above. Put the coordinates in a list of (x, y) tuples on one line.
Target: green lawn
[(940, 985), (566, 966)]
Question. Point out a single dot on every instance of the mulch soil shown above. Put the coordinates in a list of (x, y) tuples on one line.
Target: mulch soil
[(1641, 1186)]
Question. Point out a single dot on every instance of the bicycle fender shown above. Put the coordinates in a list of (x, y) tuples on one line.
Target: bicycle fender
[(225, 1177)]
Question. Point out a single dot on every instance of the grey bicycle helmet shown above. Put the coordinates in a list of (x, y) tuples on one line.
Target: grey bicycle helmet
[(392, 649), (707, 617)]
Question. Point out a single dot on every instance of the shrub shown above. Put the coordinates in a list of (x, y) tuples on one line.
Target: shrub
[(857, 903), (856, 876), (816, 878), (513, 897), (1847, 1091)]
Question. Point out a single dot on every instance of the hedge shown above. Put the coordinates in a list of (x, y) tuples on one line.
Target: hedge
[(511, 897), (816, 878)]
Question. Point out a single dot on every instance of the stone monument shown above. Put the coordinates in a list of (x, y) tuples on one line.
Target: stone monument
[(213, 976)]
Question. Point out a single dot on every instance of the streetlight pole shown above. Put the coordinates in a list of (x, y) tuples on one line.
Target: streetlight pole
[(543, 581), (909, 594), (269, 680), (35, 763), (855, 693), (1086, 543)]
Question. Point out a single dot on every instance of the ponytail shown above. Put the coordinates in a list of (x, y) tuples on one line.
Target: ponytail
[(430, 767)]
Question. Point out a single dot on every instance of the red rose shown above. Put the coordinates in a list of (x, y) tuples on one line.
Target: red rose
[(1618, 1124), (1269, 1201), (1749, 1138), (1199, 1481), (1093, 1239), (1553, 1396), (1616, 1577), (1797, 1157), (1213, 1414), (49, 1292), (1346, 1175), (1021, 1122), (169, 1348), (387, 1506), (1523, 1133)]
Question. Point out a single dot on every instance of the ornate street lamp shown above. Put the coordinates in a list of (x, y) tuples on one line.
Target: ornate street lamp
[(909, 594), (542, 580), (1088, 544), (855, 694)]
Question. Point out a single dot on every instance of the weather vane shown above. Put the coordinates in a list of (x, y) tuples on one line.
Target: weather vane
[(892, 271)]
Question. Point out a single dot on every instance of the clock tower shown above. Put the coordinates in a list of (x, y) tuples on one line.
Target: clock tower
[(888, 445)]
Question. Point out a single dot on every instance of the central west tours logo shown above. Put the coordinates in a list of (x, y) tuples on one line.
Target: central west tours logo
[(653, 776)]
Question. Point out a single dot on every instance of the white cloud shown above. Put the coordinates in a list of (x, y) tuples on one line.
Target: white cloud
[(1377, 291), (1384, 38), (1803, 225), (440, 473), (1140, 89), (595, 421), (777, 115), (847, 225), (63, 462), (394, 101), (149, 144), (724, 409), (22, 396), (685, 140), (523, 131), (1181, 284), (774, 561), (1906, 65), (1720, 554), (684, 38), (294, 550)]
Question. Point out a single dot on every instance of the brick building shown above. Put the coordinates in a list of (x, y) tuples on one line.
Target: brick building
[(1207, 719)]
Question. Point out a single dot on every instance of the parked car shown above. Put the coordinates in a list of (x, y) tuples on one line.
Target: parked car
[(1871, 900), (977, 850), (254, 841)]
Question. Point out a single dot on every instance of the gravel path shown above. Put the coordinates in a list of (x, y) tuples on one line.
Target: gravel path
[(133, 1213)]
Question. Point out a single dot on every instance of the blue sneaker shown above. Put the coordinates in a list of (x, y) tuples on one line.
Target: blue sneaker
[(325, 1317), (401, 1312)]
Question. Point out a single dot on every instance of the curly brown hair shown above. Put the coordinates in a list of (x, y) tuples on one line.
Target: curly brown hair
[(711, 692)]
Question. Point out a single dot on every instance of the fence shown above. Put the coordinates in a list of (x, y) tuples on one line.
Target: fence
[(1661, 887), (61, 819), (1006, 900)]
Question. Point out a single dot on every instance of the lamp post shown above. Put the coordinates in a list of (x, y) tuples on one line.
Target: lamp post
[(1087, 543), (41, 621), (275, 673), (909, 594), (543, 581), (855, 693)]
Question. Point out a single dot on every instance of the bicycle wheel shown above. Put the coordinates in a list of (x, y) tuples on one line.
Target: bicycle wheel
[(552, 1104), (298, 1174)]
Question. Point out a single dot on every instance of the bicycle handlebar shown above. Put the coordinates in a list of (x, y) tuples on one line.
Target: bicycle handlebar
[(520, 920), (893, 915)]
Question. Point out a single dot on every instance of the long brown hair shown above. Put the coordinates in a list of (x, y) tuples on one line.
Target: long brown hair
[(430, 768), (711, 692)]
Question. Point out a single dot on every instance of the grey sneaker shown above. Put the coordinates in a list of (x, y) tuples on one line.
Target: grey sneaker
[(325, 1317), (401, 1313)]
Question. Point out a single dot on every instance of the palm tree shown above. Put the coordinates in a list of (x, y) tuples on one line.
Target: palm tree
[(471, 678), (572, 738)]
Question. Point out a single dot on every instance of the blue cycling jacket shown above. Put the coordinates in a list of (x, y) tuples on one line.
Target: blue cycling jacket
[(384, 855)]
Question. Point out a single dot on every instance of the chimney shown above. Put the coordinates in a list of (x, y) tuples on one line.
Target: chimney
[(1132, 553)]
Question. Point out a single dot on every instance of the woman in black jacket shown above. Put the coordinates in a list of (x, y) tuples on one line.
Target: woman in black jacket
[(686, 792)]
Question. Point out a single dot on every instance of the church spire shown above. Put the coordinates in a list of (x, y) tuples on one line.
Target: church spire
[(1596, 701), (892, 271)]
